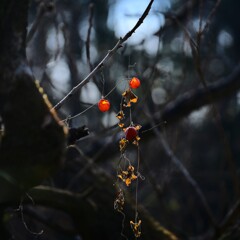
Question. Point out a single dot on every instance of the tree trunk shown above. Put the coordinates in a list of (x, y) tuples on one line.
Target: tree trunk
[(32, 140)]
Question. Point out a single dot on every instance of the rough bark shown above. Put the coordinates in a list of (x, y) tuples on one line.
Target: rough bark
[(32, 141)]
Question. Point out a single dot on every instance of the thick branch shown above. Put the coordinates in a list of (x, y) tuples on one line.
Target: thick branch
[(199, 97), (60, 199), (78, 206)]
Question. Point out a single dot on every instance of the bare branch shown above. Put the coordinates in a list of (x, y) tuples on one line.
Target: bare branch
[(90, 20), (196, 47), (210, 16), (43, 7), (105, 59), (159, 230), (58, 198), (77, 204), (184, 171), (139, 22), (230, 218), (180, 108)]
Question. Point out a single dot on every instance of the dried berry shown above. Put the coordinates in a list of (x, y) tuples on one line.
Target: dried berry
[(131, 133)]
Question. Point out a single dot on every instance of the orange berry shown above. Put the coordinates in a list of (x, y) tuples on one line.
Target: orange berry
[(131, 133), (134, 83), (103, 105)]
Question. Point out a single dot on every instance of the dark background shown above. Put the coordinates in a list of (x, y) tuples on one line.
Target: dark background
[(189, 107)]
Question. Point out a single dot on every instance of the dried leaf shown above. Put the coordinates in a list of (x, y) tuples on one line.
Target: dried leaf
[(129, 97), (121, 125), (128, 176), (123, 144), (136, 227), (128, 181), (120, 115), (119, 201), (137, 127)]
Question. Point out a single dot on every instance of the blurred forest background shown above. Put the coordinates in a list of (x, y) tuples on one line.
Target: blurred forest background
[(186, 54)]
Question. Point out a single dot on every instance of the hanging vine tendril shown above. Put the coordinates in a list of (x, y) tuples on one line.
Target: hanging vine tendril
[(127, 173)]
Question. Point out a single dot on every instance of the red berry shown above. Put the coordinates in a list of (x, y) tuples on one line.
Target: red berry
[(103, 105), (134, 83), (131, 133)]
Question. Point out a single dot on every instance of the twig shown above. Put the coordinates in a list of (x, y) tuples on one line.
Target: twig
[(159, 189), (43, 7), (159, 228), (139, 22), (181, 14), (200, 15), (186, 174), (105, 59), (178, 109), (20, 210), (153, 228), (90, 20), (59, 198), (174, 18), (216, 115), (211, 14), (183, 170), (89, 163), (196, 51), (43, 218), (231, 217)]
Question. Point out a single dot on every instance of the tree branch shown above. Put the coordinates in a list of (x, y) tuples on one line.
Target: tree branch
[(60, 199), (199, 97), (42, 9), (90, 21), (184, 171), (77, 205), (230, 218), (105, 59), (179, 108)]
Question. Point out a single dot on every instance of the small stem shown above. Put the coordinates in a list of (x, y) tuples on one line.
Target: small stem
[(137, 181)]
